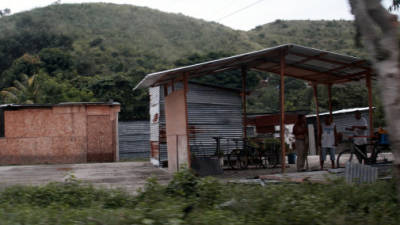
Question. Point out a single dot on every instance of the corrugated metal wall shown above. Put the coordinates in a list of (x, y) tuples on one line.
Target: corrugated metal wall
[(341, 120), (212, 112), (134, 139)]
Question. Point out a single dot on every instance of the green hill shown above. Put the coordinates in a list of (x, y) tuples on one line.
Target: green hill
[(97, 52), (120, 32), (334, 35)]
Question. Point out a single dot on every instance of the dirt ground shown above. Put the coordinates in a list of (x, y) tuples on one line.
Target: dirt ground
[(256, 172), (130, 175), (291, 169), (127, 175)]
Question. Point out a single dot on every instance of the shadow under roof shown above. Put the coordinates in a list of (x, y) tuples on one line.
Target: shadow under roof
[(301, 62)]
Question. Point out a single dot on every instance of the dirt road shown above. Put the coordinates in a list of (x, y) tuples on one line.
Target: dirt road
[(128, 175)]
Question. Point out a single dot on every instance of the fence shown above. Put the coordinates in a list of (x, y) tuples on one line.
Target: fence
[(134, 139), (358, 173)]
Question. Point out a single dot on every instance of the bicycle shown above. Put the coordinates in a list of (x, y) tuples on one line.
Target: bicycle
[(347, 155), (241, 158), (238, 158)]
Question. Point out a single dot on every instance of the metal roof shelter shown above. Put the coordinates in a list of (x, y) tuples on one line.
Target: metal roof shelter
[(300, 62), (309, 64)]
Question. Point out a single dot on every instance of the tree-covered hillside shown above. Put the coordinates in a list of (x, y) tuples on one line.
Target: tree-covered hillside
[(97, 52), (110, 34), (331, 35)]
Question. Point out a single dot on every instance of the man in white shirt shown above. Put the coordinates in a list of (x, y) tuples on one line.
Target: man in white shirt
[(359, 129), (328, 141)]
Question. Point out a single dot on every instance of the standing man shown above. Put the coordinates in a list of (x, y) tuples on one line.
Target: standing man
[(360, 133), (301, 134), (328, 141)]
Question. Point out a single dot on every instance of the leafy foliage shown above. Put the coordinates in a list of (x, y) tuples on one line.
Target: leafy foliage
[(192, 200), (23, 92), (395, 5), (98, 52), (331, 35)]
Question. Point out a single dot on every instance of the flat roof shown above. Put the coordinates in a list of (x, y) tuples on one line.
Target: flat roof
[(301, 62), (23, 106)]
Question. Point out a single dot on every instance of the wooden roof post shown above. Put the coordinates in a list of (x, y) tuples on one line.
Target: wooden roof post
[(370, 111), (315, 88), (244, 78), (330, 100), (282, 102)]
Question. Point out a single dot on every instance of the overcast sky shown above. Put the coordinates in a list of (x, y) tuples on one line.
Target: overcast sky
[(238, 14)]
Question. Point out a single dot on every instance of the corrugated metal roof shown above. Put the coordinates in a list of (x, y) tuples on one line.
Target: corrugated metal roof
[(350, 110), (301, 62)]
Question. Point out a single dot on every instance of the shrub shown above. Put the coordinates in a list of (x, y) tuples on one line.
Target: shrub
[(188, 199)]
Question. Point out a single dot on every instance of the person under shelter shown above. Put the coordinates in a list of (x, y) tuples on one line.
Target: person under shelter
[(359, 129), (328, 141), (300, 132)]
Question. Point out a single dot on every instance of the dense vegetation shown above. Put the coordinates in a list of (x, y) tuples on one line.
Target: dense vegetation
[(191, 200), (98, 52), (334, 35)]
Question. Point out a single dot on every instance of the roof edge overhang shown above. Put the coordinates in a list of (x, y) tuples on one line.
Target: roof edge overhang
[(333, 67)]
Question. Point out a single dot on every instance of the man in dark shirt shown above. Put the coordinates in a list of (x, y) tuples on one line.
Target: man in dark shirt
[(301, 134)]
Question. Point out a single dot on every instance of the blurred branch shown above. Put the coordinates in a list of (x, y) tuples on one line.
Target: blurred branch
[(395, 5), (378, 29)]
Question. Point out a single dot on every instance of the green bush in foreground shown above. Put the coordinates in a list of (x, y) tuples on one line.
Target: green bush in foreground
[(191, 200)]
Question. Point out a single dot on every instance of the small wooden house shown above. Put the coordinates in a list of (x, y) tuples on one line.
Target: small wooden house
[(61, 133)]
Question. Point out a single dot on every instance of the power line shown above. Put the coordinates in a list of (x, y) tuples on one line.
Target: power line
[(239, 10), (229, 5)]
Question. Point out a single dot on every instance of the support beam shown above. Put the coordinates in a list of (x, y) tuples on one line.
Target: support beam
[(318, 119), (282, 102), (172, 85), (244, 93), (352, 77), (165, 86), (278, 72), (330, 100), (307, 73), (306, 59), (186, 88), (333, 61), (340, 68), (370, 111)]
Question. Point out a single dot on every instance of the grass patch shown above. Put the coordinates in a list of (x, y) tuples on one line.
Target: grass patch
[(191, 200)]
